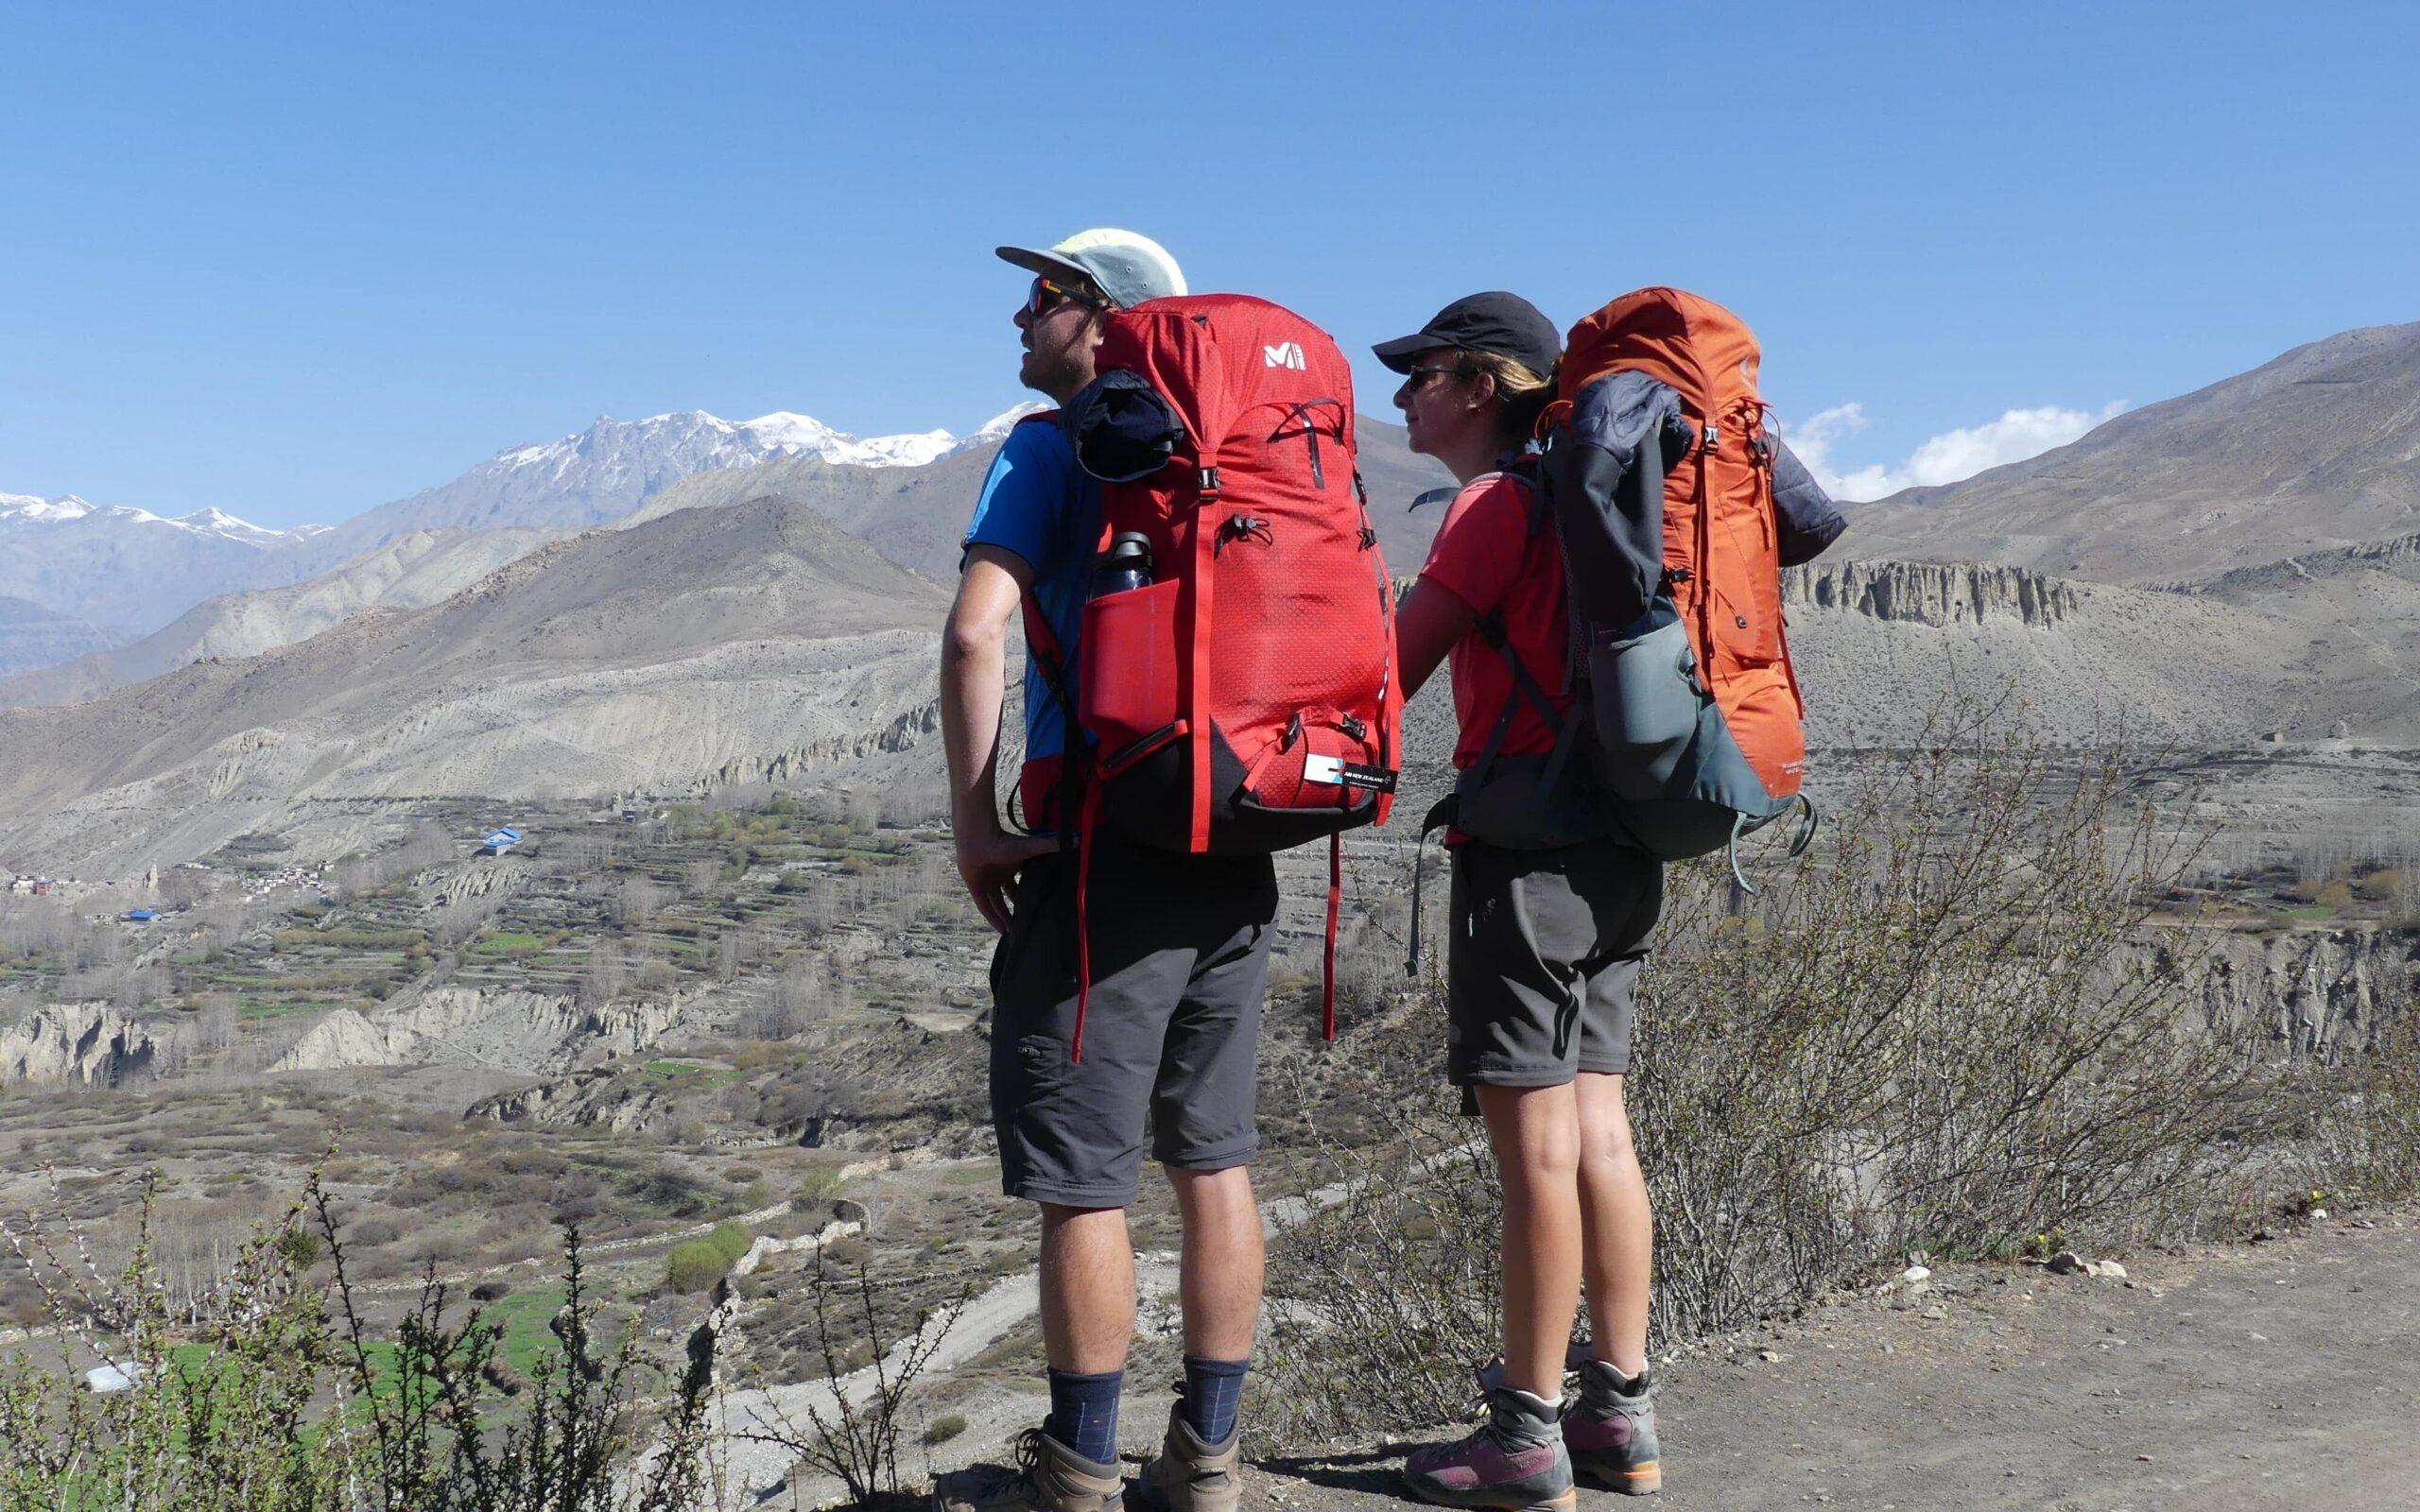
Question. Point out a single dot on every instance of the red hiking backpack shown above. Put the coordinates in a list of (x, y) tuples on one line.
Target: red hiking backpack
[(1244, 699)]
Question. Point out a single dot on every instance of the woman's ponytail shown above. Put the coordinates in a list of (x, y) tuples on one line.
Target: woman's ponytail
[(1525, 395)]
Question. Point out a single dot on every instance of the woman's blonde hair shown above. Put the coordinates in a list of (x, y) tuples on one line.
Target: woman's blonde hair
[(1526, 394)]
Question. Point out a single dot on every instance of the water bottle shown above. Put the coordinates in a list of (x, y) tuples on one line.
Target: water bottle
[(1123, 568)]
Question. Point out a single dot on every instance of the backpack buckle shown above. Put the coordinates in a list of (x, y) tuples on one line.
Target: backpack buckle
[(1713, 437), (1206, 481)]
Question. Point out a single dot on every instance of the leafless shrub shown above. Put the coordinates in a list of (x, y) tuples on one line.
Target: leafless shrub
[(123, 985), (575, 853), (862, 809), (237, 1431), (915, 801), (214, 1021), (2365, 1124), (253, 1393), (219, 925), (638, 900), (459, 923), (1383, 1282), (1925, 1036), (853, 1425), (611, 968)]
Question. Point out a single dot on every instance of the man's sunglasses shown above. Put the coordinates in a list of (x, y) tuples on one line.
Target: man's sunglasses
[(1045, 294)]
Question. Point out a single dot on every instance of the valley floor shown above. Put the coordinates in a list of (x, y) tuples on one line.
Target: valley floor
[(2271, 1376)]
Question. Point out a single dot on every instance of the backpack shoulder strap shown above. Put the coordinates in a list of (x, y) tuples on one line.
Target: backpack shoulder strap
[(1041, 646)]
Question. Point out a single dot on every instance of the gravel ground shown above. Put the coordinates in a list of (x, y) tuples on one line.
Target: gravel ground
[(2278, 1375)]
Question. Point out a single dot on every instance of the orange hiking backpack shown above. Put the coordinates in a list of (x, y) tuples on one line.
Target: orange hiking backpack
[(1696, 708)]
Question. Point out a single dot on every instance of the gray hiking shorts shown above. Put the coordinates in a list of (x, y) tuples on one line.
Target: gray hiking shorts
[(1180, 962), (1545, 954)]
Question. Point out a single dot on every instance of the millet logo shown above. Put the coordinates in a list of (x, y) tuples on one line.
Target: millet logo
[(1285, 355)]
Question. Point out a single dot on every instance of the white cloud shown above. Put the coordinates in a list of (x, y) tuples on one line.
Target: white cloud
[(1946, 458)]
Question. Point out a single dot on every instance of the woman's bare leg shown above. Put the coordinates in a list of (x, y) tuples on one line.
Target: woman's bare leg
[(1535, 1132), (1617, 1225)]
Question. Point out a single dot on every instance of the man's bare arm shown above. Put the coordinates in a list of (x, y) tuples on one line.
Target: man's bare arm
[(974, 662)]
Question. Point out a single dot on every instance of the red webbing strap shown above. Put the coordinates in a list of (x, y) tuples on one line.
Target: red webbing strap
[(1327, 968), (1198, 625), (1041, 646), (1090, 812)]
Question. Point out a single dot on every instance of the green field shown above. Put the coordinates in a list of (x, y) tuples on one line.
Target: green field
[(688, 1075), (253, 1008)]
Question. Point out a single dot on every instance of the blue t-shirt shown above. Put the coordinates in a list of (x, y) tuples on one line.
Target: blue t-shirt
[(1037, 503)]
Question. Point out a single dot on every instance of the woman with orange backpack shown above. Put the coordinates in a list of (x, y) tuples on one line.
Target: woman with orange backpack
[(1548, 931), (1682, 731)]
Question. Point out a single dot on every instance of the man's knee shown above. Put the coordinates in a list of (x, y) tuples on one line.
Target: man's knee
[(1075, 1222), (1212, 1193)]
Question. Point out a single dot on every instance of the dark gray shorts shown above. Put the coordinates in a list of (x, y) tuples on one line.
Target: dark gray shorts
[(1546, 950), (1180, 959)]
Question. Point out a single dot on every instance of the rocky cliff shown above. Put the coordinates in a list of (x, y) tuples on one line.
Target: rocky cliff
[(91, 1044), (527, 1032), (2308, 992), (1939, 593)]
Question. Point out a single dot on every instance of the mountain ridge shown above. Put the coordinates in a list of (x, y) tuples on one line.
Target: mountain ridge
[(658, 659), (128, 572), (2315, 450)]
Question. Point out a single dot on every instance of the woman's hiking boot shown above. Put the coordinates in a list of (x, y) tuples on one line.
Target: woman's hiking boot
[(1610, 1430), (1049, 1477), (1514, 1461), (1188, 1475)]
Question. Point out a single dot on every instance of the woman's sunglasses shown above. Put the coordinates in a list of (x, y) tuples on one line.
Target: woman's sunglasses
[(1417, 378), (1045, 294)]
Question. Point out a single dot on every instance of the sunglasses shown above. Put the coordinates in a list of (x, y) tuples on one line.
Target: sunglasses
[(1045, 294), (1417, 378)]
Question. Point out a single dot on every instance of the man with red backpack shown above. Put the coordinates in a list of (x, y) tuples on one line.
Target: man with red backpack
[(1171, 950)]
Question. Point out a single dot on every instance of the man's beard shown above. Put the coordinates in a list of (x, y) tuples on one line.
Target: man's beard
[(1052, 373)]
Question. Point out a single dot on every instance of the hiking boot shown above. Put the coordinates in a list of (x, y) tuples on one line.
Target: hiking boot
[(1188, 1475), (1514, 1461), (1611, 1434), (1049, 1477)]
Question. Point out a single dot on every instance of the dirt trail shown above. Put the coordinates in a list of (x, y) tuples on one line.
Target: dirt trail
[(2282, 1375), (753, 1466)]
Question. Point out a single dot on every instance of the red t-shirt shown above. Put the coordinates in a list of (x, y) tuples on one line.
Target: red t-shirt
[(1487, 556)]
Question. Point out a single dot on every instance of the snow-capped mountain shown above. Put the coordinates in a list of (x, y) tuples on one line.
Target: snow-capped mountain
[(127, 572), (610, 468), (69, 509), (787, 435), (995, 430)]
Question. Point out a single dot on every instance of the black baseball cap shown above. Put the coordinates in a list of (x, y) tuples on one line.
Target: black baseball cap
[(1496, 322)]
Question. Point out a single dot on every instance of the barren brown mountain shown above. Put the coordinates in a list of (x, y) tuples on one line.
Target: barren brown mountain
[(2316, 451), (680, 654)]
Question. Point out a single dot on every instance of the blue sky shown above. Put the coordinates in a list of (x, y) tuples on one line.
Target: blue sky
[(295, 262)]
